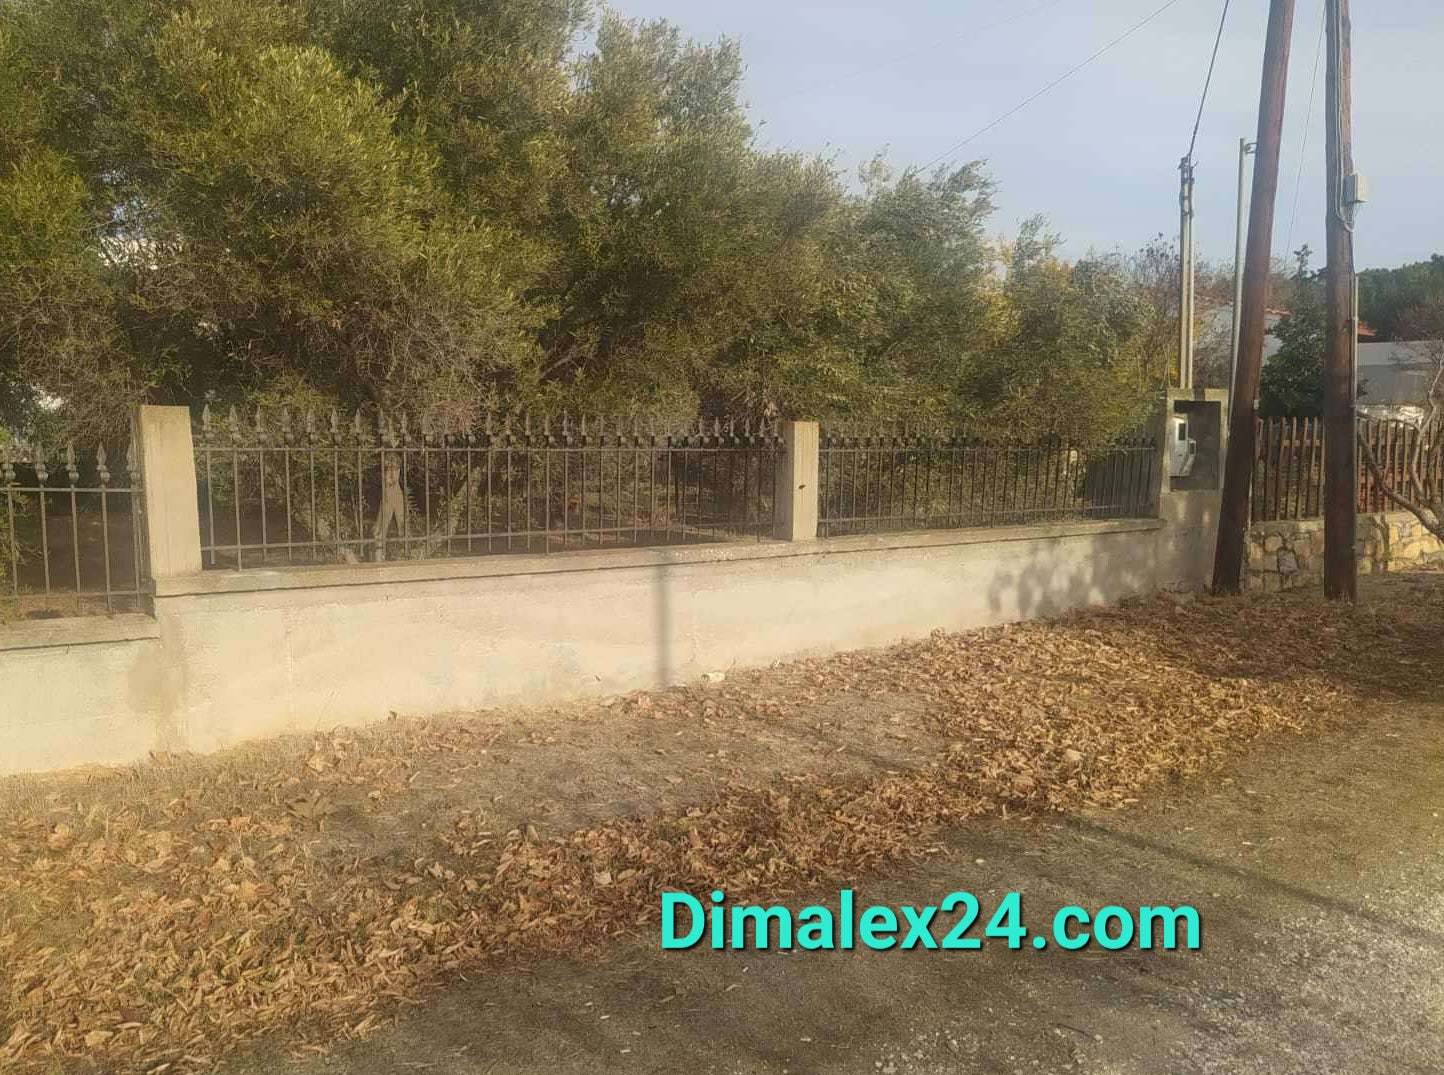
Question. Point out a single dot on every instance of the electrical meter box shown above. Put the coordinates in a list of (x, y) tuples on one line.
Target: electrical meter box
[(1194, 443), (1182, 449)]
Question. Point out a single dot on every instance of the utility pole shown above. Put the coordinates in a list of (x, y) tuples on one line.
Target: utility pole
[(1341, 483), (1185, 273), (1245, 147), (1238, 466)]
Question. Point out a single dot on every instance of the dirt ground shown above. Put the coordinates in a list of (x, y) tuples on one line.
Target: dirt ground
[(1318, 872), (291, 897)]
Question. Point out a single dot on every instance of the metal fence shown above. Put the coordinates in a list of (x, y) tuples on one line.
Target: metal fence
[(71, 531), (1288, 474), (891, 480), (281, 488)]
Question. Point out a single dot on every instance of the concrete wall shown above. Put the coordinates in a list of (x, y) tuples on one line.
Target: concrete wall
[(1189, 508), (231, 656), (1286, 555), (79, 690)]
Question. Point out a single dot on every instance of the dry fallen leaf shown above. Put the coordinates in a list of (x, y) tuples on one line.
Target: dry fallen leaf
[(190, 933), (314, 808)]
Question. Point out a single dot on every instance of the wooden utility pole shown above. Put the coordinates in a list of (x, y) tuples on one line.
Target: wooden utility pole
[(1185, 274), (1238, 466), (1341, 483)]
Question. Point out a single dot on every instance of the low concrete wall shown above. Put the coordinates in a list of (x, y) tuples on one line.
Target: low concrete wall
[(79, 690), (233, 656), (1285, 555)]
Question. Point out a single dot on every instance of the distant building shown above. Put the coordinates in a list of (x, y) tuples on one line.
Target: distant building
[(1218, 325), (1394, 378)]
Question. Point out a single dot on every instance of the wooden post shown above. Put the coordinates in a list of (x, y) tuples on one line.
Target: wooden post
[(797, 483), (1341, 482), (1238, 468)]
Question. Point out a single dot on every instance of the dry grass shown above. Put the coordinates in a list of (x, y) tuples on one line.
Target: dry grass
[(156, 916)]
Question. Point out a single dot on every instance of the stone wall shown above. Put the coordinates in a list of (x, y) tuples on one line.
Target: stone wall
[(1284, 555)]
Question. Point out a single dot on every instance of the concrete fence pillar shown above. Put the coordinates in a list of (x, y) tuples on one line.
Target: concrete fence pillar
[(797, 487), (168, 477)]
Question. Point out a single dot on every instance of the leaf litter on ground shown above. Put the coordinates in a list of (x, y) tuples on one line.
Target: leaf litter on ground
[(153, 917)]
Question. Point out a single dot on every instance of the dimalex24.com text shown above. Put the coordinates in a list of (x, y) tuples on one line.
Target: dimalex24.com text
[(956, 922)]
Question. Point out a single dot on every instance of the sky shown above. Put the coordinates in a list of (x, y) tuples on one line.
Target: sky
[(1098, 155)]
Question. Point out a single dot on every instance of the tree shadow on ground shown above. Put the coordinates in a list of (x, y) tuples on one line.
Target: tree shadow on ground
[(1391, 645)]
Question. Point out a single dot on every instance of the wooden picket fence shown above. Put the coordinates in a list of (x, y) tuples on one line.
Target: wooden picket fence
[(1288, 473)]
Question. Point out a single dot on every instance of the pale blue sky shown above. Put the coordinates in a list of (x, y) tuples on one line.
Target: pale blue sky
[(1099, 154)]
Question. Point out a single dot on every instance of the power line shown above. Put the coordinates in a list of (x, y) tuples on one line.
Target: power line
[(1209, 80), (1018, 16), (1052, 85), (1304, 145), (973, 35)]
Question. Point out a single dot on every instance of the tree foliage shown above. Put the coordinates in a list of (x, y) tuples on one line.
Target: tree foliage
[(440, 205), (1072, 351), (1292, 382), (1388, 296)]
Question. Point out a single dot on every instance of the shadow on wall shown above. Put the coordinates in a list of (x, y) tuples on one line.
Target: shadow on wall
[(840, 597), (1065, 574)]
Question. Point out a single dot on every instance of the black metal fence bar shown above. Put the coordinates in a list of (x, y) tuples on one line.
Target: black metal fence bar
[(880, 481), (368, 490), (72, 536)]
